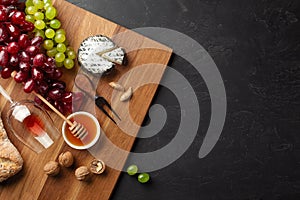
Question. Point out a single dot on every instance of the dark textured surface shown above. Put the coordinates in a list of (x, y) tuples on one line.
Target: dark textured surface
[(256, 46)]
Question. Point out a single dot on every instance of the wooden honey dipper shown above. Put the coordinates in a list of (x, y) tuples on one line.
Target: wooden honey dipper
[(77, 129)]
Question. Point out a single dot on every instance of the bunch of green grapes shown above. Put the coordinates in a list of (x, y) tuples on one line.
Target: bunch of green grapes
[(43, 14)]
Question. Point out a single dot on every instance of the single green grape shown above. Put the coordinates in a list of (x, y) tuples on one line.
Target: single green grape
[(49, 33), (59, 64), (31, 10), (60, 57), (38, 4), (39, 16), (30, 18), (59, 38), (28, 3), (47, 5), (39, 24), (50, 13), (71, 54), (52, 52), (39, 33), (47, 1), (61, 31), (61, 47), (143, 177), (48, 44), (132, 170), (68, 63), (54, 23)]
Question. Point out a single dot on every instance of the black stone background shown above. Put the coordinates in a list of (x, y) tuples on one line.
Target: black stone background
[(256, 46)]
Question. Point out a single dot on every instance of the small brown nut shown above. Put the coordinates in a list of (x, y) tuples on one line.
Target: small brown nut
[(97, 166), (66, 159), (52, 168), (82, 173), (127, 95), (117, 86)]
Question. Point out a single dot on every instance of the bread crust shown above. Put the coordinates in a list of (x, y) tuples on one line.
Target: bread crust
[(11, 161)]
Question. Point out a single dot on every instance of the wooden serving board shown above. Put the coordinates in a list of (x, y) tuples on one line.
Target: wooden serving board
[(31, 182)]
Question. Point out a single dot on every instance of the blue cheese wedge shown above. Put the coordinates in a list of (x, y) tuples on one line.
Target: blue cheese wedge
[(98, 54)]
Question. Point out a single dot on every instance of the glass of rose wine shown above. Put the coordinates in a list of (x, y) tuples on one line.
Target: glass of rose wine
[(30, 123)]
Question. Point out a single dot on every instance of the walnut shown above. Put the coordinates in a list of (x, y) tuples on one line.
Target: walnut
[(97, 166), (51, 168), (82, 173), (66, 159)]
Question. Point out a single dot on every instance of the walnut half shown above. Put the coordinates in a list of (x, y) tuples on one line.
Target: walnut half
[(97, 166)]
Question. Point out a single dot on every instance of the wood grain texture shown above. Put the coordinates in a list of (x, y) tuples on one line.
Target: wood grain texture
[(149, 57)]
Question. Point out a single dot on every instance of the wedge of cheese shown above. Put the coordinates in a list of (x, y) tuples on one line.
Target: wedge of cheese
[(98, 54)]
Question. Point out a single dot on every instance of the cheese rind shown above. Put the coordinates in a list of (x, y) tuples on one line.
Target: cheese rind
[(99, 54)]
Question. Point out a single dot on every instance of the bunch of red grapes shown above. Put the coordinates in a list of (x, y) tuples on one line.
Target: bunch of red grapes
[(21, 52)]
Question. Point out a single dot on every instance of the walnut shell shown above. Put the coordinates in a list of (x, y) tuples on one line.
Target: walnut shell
[(97, 166), (66, 159), (52, 168), (82, 173)]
